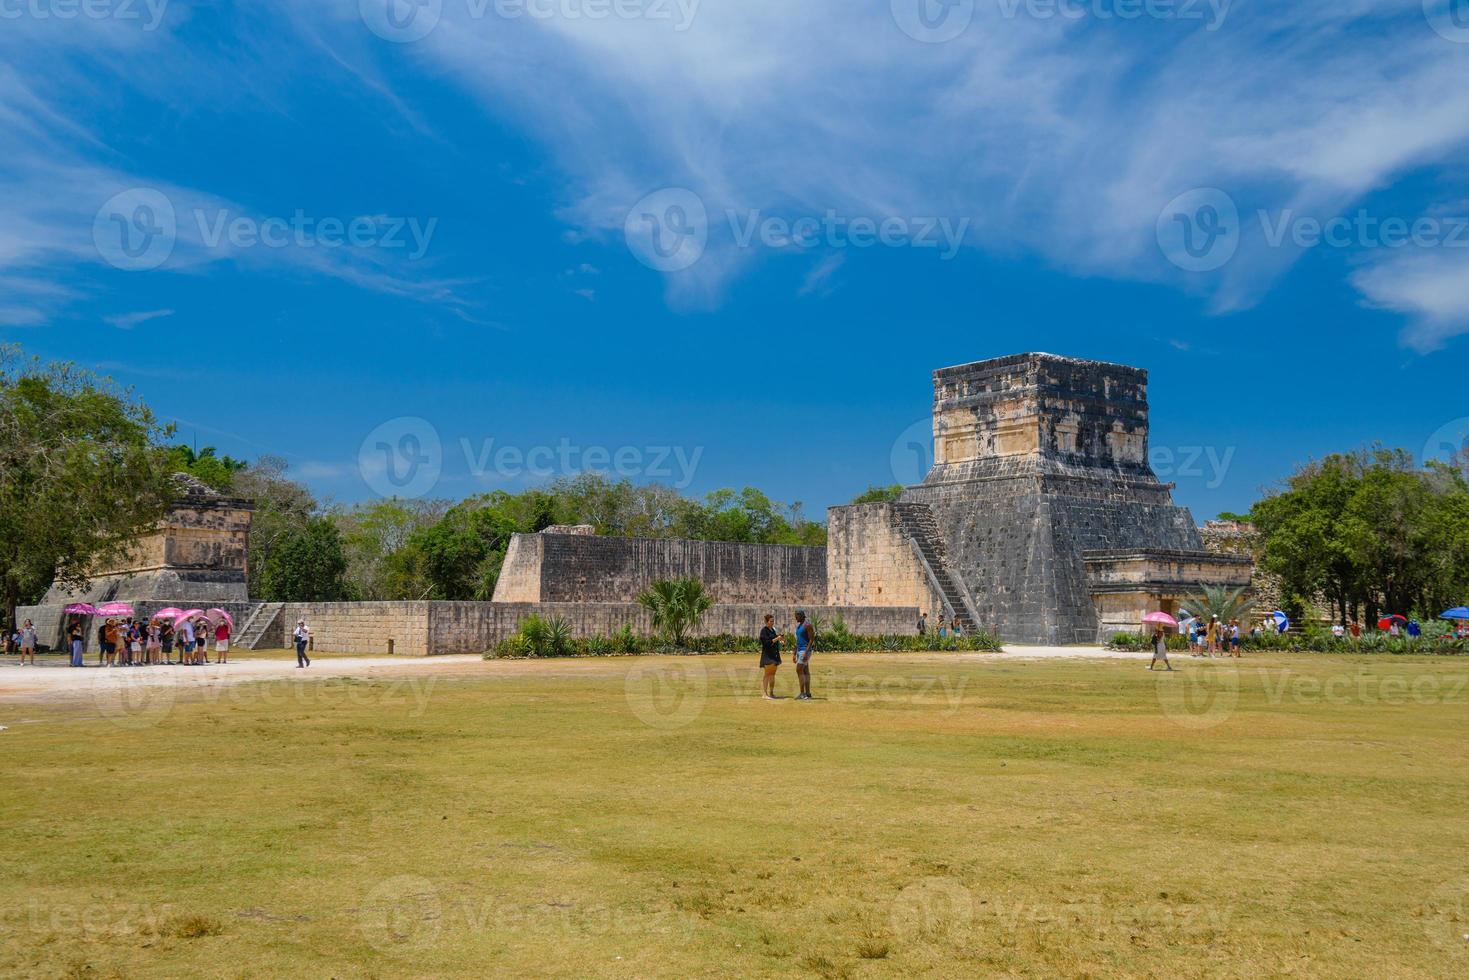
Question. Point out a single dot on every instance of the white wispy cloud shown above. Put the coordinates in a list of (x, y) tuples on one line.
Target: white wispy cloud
[(1056, 136), (60, 173), (127, 321)]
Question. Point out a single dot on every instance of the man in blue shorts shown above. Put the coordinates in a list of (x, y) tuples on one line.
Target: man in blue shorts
[(805, 645)]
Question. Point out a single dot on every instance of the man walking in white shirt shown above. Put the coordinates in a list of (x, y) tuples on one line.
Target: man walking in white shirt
[(301, 635)]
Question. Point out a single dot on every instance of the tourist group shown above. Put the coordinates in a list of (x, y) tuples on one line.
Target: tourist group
[(124, 640)]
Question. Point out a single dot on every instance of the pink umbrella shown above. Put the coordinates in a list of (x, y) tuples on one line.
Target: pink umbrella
[(1161, 619), (191, 614), (81, 609), (115, 609), (215, 615), (168, 612)]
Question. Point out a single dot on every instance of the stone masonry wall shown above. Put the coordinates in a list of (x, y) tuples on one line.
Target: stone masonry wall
[(422, 628), (870, 561), (585, 568), (473, 627), (362, 627), (520, 573)]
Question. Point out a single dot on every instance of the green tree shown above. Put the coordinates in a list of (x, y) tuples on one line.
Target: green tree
[(374, 534), (283, 508), (879, 495), (217, 471), (306, 565), (460, 555), (1371, 532), (677, 606), (80, 475)]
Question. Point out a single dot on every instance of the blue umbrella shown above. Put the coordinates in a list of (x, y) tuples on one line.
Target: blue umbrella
[(1282, 621), (1458, 612)]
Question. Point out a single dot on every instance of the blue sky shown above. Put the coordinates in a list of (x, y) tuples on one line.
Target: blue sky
[(1265, 205)]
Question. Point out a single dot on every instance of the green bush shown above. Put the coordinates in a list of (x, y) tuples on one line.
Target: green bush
[(537, 637), (1317, 641), (1144, 641)]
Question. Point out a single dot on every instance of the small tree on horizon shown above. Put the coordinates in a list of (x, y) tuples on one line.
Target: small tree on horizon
[(677, 606)]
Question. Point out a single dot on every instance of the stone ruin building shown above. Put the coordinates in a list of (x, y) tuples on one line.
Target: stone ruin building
[(196, 556), (1040, 520)]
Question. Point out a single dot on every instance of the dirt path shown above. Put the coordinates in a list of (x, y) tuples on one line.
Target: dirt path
[(53, 682)]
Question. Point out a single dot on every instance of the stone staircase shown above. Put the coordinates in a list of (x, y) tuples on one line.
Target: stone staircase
[(257, 627), (922, 531)]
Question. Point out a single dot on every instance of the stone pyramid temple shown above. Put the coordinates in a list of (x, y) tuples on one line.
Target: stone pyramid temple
[(1041, 518)]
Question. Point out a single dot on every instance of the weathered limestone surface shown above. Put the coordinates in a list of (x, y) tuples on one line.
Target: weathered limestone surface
[(196, 555), (871, 562), (552, 567)]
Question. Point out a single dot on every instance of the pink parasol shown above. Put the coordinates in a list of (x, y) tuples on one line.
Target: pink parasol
[(216, 614), (191, 614), (1161, 619), (81, 609), (168, 612), (115, 609)]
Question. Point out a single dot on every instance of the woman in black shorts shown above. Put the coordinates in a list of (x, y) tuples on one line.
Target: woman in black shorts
[(769, 657)]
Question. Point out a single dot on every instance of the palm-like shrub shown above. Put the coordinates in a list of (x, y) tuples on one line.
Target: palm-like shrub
[(539, 637), (677, 606), (1217, 600)]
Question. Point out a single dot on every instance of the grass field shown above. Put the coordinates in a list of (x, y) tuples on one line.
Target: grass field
[(931, 816)]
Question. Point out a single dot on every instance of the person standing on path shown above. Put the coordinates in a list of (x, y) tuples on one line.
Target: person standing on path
[(27, 642), (805, 645), (222, 642), (769, 657), (74, 634), (186, 641), (923, 624), (301, 635)]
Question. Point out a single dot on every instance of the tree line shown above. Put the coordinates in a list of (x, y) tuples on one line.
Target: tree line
[(304, 550), (1371, 532)]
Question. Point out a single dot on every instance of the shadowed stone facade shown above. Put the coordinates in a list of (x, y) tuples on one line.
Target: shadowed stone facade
[(1039, 460)]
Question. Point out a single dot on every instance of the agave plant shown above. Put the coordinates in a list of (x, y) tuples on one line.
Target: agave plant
[(677, 606), (1220, 601), (558, 637)]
